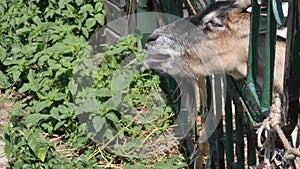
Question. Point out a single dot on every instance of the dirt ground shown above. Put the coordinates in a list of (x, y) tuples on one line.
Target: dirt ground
[(6, 103)]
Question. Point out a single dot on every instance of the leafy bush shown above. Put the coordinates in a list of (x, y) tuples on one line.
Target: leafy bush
[(131, 113), (42, 44)]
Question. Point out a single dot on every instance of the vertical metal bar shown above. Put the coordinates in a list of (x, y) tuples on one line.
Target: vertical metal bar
[(240, 88), (292, 76), (239, 135), (220, 147), (229, 135), (253, 47), (219, 106), (202, 148), (211, 106), (213, 150), (251, 155), (269, 60)]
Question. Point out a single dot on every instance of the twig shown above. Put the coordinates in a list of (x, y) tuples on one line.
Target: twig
[(113, 138)]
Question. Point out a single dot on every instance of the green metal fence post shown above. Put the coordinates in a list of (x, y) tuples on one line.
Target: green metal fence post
[(269, 60), (253, 47), (251, 155), (240, 145), (229, 135), (253, 44)]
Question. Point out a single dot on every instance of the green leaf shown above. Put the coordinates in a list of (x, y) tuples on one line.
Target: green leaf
[(52, 93), (100, 18), (86, 8), (66, 61), (25, 87), (16, 75), (113, 102), (42, 94), (48, 127), (103, 92), (99, 6), (72, 87), (4, 3), (89, 105), (35, 118), (36, 20), (59, 124), (164, 165), (54, 113), (79, 2), (112, 116), (59, 96), (31, 75), (4, 84), (2, 10), (63, 109), (98, 123), (36, 85), (85, 32), (2, 54), (117, 50), (60, 72), (42, 152), (40, 105), (43, 58), (23, 30), (38, 144), (62, 3), (121, 80), (135, 166), (89, 23), (49, 13)]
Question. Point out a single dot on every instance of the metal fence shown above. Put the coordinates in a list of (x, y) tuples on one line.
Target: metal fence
[(234, 142)]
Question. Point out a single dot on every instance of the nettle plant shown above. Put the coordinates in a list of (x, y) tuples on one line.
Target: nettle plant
[(42, 43), (123, 107), (123, 102)]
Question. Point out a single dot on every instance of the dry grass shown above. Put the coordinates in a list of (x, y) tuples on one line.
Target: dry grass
[(6, 104)]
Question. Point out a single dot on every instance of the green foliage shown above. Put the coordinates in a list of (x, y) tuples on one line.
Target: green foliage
[(173, 163), (43, 46), (124, 107), (41, 41)]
